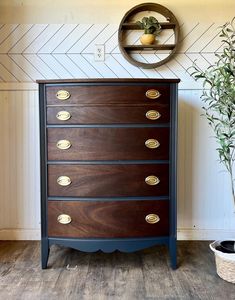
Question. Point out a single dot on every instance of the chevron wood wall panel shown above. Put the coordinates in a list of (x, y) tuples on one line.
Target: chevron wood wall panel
[(44, 51)]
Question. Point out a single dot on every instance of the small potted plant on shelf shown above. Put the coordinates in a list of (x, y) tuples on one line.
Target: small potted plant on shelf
[(219, 98), (151, 27)]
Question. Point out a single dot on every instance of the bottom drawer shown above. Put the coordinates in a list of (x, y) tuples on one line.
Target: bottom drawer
[(108, 219)]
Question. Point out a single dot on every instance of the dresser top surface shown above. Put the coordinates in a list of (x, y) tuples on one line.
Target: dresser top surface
[(108, 80)]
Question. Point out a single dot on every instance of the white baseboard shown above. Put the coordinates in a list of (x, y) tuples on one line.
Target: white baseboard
[(18, 86), (182, 234), (204, 234), (20, 234)]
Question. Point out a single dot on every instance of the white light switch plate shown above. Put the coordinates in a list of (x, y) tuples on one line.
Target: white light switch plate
[(99, 53)]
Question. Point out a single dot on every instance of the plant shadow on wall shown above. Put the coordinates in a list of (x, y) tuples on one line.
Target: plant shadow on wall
[(219, 109)]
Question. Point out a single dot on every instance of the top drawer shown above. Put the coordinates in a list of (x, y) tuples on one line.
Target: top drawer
[(106, 94)]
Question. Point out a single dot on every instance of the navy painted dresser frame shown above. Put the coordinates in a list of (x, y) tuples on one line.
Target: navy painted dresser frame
[(108, 244)]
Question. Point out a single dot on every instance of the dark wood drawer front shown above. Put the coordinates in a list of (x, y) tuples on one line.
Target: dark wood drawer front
[(111, 219), (108, 143), (108, 115), (103, 94), (108, 180)]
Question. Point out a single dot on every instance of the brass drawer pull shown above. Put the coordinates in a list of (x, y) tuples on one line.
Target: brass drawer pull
[(152, 218), (63, 95), (64, 180), (64, 219), (152, 143), (63, 144), (153, 115), (152, 180), (63, 115), (152, 94)]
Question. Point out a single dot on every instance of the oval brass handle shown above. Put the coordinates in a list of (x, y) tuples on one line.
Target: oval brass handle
[(152, 94), (153, 115), (63, 95), (64, 180), (152, 180), (63, 115), (64, 219), (152, 218), (63, 144), (152, 143)]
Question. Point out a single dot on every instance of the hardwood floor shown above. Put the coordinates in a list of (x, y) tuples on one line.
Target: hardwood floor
[(120, 276)]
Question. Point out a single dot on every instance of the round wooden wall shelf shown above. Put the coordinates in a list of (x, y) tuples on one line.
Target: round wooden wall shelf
[(126, 24)]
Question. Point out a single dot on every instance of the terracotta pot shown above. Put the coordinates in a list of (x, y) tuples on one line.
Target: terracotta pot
[(147, 39)]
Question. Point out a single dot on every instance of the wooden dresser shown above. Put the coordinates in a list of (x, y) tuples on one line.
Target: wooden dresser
[(108, 164)]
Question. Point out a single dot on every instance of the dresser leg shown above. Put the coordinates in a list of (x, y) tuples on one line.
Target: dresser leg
[(173, 253), (45, 250)]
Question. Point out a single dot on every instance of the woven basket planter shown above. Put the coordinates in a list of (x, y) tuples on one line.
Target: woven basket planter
[(225, 263)]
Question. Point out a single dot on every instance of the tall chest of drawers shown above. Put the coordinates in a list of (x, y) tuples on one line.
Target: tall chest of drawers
[(108, 164)]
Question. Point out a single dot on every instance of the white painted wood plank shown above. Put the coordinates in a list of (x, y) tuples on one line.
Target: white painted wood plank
[(18, 86), (193, 38), (54, 65), (213, 44), (199, 60), (205, 38), (102, 38), (43, 38), (69, 65), (101, 67), (149, 73), (72, 38), (186, 29), (14, 37), (20, 234), (87, 38), (6, 30), (42, 67), (28, 38), (85, 65), (4, 158), (112, 43), (21, 133), (178, 70), (13, 68), (165, 71), (32, 72), (209, 57), (166, 37), (116, 67), (6, 75), (133, 70), (56, 39)]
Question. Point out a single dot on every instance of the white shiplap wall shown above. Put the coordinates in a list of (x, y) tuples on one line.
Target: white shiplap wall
[(30, 52), (19, 175)]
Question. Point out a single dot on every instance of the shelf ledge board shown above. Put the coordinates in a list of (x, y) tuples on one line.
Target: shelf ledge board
[(134, 26), (150, 47)]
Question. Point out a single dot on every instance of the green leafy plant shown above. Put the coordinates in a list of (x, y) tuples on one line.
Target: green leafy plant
[(219, 98), (150, 25)]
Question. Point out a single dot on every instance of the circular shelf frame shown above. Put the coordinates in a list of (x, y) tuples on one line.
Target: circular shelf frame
[(171, 23)]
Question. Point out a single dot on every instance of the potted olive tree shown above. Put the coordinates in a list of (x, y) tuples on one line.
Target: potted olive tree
[(151, 27), (219, 98)]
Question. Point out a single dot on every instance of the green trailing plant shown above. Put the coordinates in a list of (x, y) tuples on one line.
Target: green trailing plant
[(219, 98), (150, 25)]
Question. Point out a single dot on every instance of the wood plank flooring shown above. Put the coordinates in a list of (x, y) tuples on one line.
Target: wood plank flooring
[(117, 276)]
